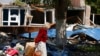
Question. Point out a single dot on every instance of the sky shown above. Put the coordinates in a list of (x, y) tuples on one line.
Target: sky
[(6, 1)]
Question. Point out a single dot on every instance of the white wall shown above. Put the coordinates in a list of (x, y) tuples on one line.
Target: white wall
[(6, 1)]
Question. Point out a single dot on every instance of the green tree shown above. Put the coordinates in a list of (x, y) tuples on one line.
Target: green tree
[(95, 5), (98, 6), (19, 3)]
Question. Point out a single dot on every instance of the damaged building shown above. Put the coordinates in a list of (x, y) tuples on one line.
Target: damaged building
[(79, 12), (12, 15)]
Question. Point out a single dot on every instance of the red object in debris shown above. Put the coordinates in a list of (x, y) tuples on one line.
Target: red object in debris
[(42, 35), (12, 51)]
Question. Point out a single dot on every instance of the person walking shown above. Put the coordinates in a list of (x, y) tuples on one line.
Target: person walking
[(41, 39)]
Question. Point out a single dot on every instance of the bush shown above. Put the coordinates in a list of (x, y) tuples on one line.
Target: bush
[(89, 48)]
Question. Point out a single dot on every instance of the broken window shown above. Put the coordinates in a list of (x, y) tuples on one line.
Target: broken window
[(40, 18)]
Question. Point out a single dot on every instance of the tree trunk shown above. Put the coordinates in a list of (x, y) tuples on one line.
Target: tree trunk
[(61, 32), (60, 22)]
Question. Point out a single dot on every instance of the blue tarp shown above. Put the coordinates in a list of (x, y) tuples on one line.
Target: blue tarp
[(51, 33), (92, 32), (26, 35)]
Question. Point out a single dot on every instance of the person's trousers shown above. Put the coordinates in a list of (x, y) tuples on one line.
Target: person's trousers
[(42, 47)]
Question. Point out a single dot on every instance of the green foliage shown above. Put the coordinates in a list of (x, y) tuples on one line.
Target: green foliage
[(50, 3), (90, 48), (35, 1), (90, 1), (19, 3), (98, 4), (98, 11), (95, 5)]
